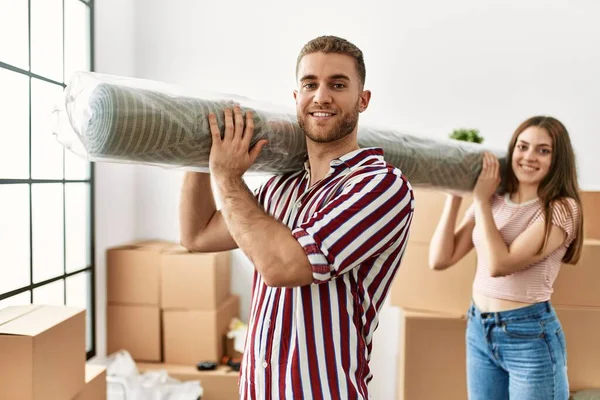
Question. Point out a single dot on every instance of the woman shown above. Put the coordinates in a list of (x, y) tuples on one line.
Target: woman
[(515, 344)]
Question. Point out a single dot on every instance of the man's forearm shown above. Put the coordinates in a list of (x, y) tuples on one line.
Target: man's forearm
[(197, 205), (267, 242)]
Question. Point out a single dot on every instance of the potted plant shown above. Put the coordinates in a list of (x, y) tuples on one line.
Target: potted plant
[(467, 135)]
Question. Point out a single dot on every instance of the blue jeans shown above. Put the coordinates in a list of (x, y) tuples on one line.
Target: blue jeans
[(517, 354)]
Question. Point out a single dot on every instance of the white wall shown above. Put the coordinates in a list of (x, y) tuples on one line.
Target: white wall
[(432, 66), (115, 183)]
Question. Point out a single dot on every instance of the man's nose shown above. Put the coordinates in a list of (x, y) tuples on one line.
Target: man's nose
[(322, 95)]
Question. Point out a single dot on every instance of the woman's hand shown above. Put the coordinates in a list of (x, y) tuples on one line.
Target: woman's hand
[(488, 179)]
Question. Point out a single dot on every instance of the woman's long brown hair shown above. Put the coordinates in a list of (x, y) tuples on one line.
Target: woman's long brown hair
[(559, 184)]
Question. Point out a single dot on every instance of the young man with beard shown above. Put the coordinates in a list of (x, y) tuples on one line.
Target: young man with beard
[(325, 241)]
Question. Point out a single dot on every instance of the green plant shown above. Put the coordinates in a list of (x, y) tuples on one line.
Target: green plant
[(467, 135)]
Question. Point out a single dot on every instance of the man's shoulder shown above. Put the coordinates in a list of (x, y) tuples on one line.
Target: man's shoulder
[(379, 170), (280, 180), (287, 176)]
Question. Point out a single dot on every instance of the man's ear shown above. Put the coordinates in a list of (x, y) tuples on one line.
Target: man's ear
[(365, 98), (296, 95)]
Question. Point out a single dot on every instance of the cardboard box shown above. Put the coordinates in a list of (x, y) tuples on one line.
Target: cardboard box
[(160, 273), (578, 285), (95, 383), (591, 214), (133, 273), (582, 333), (416, 286), (432, 362), (429, 205), (192, 336), (42, 351), (198, 281), (135, 329), (221, 384)]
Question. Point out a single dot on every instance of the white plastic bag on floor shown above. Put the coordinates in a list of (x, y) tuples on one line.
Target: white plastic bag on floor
[(126, 383)]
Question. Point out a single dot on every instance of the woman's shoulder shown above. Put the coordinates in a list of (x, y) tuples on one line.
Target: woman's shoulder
[(566, 205)]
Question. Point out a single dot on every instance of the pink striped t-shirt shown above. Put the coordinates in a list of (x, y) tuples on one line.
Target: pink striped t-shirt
[(533, 283)]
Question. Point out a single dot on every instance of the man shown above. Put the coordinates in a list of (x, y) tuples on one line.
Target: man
[(325, 242)]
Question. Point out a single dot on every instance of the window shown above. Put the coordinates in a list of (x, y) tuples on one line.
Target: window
[(46, 193)]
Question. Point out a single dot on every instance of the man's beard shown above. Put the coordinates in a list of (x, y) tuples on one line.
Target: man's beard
[(340, 130)]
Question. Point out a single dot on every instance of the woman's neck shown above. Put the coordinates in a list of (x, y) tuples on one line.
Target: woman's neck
[(524, 193)]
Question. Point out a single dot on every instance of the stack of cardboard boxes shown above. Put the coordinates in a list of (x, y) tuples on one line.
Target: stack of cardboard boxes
[(171, 307), (576, 299), (434, 304), (42, 351)]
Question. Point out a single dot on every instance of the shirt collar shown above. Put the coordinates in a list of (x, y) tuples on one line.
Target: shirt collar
[(355, 158)]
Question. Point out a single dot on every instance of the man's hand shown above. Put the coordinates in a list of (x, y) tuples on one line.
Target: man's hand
[(231, 156), (281, 264), (488, 179)]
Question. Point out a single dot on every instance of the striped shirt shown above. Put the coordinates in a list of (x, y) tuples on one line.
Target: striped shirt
[(534, 283), (314, 341)]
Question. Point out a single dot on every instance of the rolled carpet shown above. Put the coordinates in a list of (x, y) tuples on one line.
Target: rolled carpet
[(115, 119)]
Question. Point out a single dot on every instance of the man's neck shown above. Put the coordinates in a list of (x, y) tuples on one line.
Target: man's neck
[(320, 155)]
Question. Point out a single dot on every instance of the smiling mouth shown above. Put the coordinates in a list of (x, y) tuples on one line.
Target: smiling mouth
[(528, 168), (321, 114)]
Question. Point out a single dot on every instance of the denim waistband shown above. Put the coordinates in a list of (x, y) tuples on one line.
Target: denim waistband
[(538, 310)]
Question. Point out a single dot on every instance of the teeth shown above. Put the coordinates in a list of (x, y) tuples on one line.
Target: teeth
[(319, 114), (528, 168)]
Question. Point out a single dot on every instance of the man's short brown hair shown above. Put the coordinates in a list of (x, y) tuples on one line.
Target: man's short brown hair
[(334, 44)]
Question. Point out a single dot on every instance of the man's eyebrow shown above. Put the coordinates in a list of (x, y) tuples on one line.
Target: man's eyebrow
[(339, 76), (308, 77), (332, 77)]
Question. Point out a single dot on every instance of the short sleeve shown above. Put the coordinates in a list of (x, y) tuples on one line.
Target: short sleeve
[(368, 216), (565, 215)]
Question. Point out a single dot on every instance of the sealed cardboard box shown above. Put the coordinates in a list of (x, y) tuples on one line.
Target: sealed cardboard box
[(95, 383), (42, 350), (192, 336), (429, 205), (133, 273), (135, 329), (581, 326), (167, 275), (578, 285), (416, 286), (591, 214), (221, 384), (432, 362), (194, 280)]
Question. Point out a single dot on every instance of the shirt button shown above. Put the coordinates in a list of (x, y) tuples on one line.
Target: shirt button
[(264, 364)]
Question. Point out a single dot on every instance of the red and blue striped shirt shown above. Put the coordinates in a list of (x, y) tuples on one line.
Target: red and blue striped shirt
[(315, 341)]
